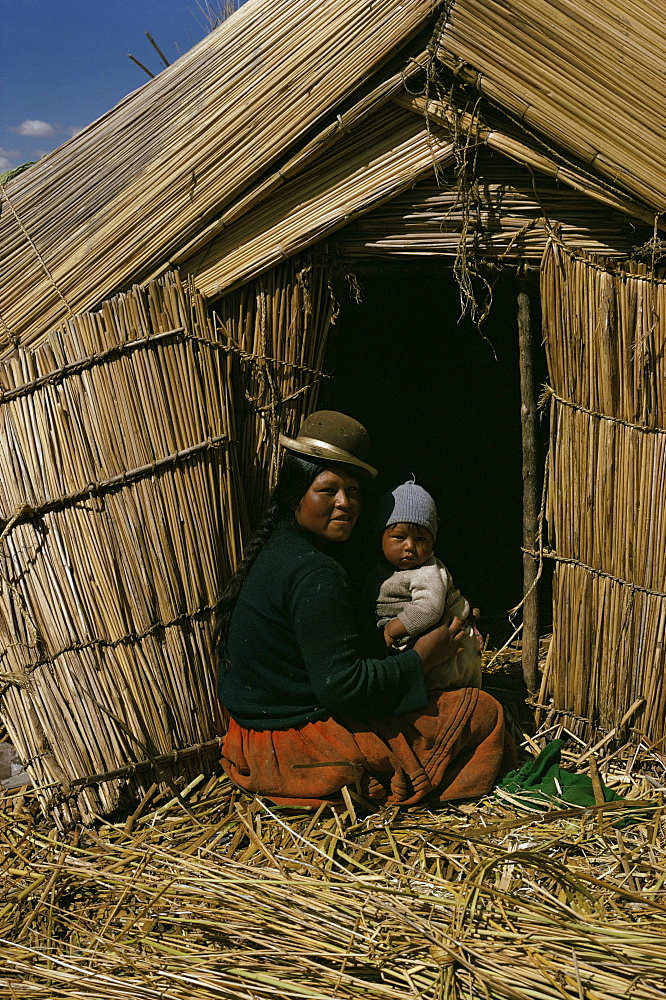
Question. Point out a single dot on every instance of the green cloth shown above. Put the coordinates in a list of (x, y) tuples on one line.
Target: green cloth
[(542, 780)]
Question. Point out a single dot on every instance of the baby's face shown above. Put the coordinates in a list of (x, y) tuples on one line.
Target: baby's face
[(407, 546)]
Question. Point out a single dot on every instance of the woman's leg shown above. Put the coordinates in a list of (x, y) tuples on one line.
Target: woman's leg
[(453, 749)]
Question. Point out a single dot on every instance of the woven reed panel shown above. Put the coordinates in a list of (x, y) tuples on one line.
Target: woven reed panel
[(121, 519), (605, 334), (134, 439)]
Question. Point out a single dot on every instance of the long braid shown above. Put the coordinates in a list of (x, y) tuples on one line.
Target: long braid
[(268, 524), (296, 475)]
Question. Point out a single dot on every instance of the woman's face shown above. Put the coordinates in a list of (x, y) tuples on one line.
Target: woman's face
[(330, 507)]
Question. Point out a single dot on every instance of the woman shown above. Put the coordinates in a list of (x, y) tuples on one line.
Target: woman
[(309, 713)]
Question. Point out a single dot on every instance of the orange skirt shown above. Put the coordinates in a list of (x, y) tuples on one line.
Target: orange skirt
[(453, 749)]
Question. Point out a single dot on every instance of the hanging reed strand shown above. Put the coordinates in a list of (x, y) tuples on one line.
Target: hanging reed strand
[(245, 900)]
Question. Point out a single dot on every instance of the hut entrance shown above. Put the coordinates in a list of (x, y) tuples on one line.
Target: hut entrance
[(442, 401)]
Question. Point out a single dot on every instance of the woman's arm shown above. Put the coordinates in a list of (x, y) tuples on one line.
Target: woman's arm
[(440, 644), (344, 681)]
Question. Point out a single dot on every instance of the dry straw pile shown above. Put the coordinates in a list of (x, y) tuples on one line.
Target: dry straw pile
[(241, 900)]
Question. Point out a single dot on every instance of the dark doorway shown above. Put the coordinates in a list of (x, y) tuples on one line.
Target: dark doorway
[(442, 403)]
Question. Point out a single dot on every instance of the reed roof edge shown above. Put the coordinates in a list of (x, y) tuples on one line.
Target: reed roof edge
[(141, 181), (586, 76), (141, 187)]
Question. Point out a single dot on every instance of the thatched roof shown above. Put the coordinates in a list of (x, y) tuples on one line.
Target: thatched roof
[(293, 117), (129, 193), (509, 214), (589, 77)]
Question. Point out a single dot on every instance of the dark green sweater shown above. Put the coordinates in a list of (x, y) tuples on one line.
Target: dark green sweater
[(293, 648)]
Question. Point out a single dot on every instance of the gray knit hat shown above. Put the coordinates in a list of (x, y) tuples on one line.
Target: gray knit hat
[(408, 504)]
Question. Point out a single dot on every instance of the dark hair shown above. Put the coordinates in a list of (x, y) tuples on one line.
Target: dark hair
[(294, 479)]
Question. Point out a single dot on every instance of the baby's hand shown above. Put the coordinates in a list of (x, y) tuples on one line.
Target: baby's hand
[(394, 631), (388, 639), (474, 616)]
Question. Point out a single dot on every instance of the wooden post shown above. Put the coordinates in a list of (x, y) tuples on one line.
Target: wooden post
[(528, 421)]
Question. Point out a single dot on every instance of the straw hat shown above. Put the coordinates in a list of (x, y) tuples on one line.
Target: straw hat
[(333, 436)]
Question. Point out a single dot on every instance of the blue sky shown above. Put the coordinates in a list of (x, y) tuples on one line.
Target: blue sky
[(63, 63)]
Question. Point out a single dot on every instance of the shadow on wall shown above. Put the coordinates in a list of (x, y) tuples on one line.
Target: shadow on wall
[(443, 403)]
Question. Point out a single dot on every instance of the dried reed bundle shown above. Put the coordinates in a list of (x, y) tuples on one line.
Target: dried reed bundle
[(472, 130), (278, 326), (508, 214), (123, 516), (385, 156), (242, 899), (174, 155), (605, 337), (588, 76)]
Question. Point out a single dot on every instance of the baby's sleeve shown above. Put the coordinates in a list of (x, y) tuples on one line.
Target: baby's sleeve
[(427, 600), (458, 605)]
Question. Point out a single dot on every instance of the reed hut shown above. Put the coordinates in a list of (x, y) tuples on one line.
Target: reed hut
[(173, 294)]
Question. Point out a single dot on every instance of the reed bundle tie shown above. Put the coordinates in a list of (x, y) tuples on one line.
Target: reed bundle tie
[(119, 350), (294, 366), (172, 757), (91, 361), (26, 512), (605, 266), (14, 679), (285, 399), (23, 512), (38, 255), (549, 392), (572, 561)]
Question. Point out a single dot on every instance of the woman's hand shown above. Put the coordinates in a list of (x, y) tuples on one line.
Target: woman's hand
[(440, 644)]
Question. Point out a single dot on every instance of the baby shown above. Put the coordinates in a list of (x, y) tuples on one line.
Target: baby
[(412, 589)]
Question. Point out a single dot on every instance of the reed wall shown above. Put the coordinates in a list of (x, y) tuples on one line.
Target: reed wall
[(277, 326), (123, 503), (605, 334)]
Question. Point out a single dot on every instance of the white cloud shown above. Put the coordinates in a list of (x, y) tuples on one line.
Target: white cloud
[(8, 158), (34, 126)]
